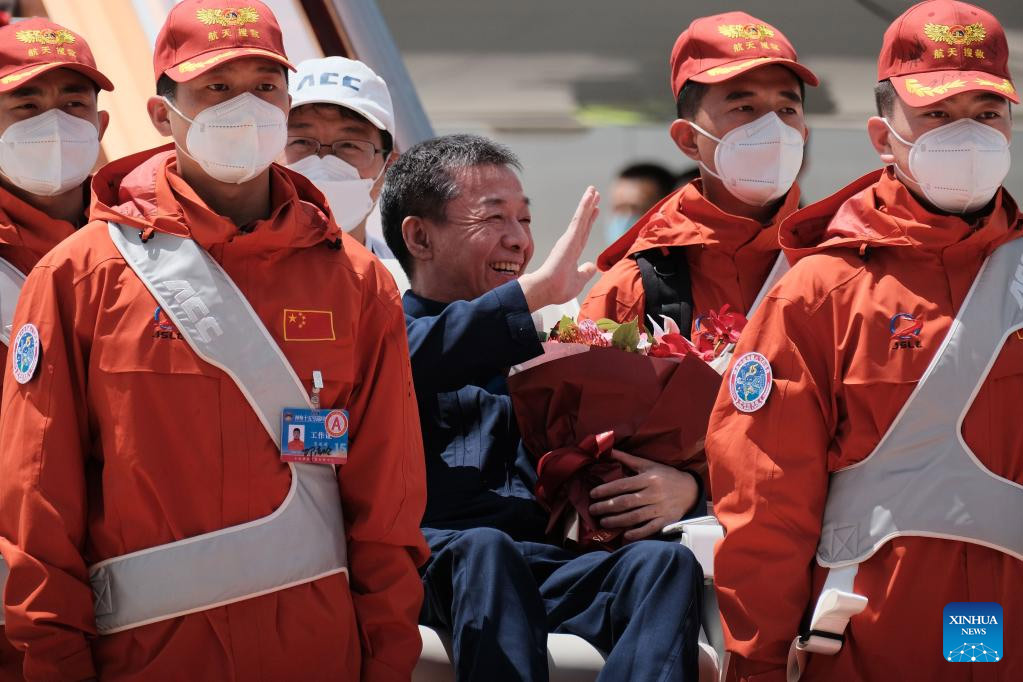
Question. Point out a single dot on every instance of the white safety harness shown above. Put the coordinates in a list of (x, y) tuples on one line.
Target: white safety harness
[(303, 540), (922, 479), (781, 266), (11, 281)]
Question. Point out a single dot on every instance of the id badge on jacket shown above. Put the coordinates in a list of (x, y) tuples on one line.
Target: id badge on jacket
[(314, 436)]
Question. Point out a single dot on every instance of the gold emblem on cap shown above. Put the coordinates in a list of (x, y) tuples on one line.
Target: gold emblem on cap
[(955, 35), (46, 36), (1005, 86), (749, 31), (915, 87), (228, 17)]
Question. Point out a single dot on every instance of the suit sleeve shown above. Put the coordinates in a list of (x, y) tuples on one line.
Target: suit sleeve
[(618, 295), (769, 472), (470, 338), (383, 492), (43, 456)]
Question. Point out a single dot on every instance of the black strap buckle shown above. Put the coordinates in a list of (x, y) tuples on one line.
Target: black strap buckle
[(804, 638)]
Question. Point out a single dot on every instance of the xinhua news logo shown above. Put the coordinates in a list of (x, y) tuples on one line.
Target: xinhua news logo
[(972, 632)]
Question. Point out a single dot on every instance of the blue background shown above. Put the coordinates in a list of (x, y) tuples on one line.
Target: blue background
[(985, 648)]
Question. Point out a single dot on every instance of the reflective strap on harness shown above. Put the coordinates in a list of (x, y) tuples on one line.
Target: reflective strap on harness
[(11, 281), (835, 606), (780, 267), (303, 540)]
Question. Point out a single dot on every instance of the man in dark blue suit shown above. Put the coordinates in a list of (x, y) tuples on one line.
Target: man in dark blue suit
[(456, 218)]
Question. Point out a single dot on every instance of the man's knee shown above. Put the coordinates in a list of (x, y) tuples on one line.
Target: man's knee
[(483, 547), (655, 556)]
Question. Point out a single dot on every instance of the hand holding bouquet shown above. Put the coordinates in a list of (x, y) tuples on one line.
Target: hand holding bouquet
[(602, 385)]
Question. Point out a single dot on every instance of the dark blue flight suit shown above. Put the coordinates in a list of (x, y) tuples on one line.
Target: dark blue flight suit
[(492, 581)]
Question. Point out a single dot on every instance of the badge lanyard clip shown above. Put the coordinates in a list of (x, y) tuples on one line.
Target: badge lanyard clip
[(317, 387)]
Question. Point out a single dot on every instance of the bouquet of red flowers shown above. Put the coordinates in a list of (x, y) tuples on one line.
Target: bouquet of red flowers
[(600, 385)]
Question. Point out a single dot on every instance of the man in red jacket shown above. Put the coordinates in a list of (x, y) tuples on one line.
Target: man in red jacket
[(50, 128), (834, 379), (714, 242), (739, 95), (119, 439)]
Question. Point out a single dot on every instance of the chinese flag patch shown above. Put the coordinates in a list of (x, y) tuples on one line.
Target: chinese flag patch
[(308, 325)]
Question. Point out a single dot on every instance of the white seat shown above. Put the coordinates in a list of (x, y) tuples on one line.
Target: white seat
[(573, 659)]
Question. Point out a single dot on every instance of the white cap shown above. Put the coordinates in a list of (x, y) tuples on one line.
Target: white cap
[(345, 82)]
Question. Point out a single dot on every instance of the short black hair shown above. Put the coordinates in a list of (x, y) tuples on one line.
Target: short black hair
[(651, 172), (166, 87), (884, 97), (422, 182), (689, 98), (385, 137), (691, 94)]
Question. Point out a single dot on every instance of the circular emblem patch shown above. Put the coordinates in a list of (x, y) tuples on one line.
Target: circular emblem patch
[(750, 382), (336, 423), (25, 353)]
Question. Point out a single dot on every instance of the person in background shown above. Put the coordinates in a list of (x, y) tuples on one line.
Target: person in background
[(456, 216), (341, 137), (50, 128), (119, 441), (848, 434), (635, 190)]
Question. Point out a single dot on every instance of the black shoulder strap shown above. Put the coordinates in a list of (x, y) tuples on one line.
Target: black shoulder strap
[(666, 286)]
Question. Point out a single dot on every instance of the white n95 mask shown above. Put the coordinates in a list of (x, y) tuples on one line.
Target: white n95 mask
[(757, 162), (958, 166), (348, 194), (236, 140), (50, 153)]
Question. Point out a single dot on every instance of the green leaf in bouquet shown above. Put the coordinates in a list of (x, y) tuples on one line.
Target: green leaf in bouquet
[(543, 336), (606, 325), (626, 337)]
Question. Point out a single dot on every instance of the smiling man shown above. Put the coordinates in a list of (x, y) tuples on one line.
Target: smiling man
[(155, 524), (455, 214), (876, 476)]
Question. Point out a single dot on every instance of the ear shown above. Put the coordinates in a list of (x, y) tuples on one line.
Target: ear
[(159, 114), (684, 136), (416, 234), (104, 121), (880, 137)]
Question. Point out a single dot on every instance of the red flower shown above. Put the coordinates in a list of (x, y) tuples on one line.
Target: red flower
[(678, 346), (718, 329)]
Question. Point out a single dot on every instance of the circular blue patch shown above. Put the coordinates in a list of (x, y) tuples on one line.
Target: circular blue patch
[(750, 382), (25, 353)]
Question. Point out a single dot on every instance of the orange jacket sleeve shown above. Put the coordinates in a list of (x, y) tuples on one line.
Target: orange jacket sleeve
[(617, 295), (44, 435), (383, 490), (769, 471)]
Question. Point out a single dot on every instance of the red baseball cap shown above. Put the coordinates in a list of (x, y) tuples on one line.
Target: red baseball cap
[(717, 48), (941, 48), (202, 34), (34, 46)]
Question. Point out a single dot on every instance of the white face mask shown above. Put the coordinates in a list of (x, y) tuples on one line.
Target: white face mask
[(50, 153), (757, 162), (236, 140), (348, 194), (958, 166)]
